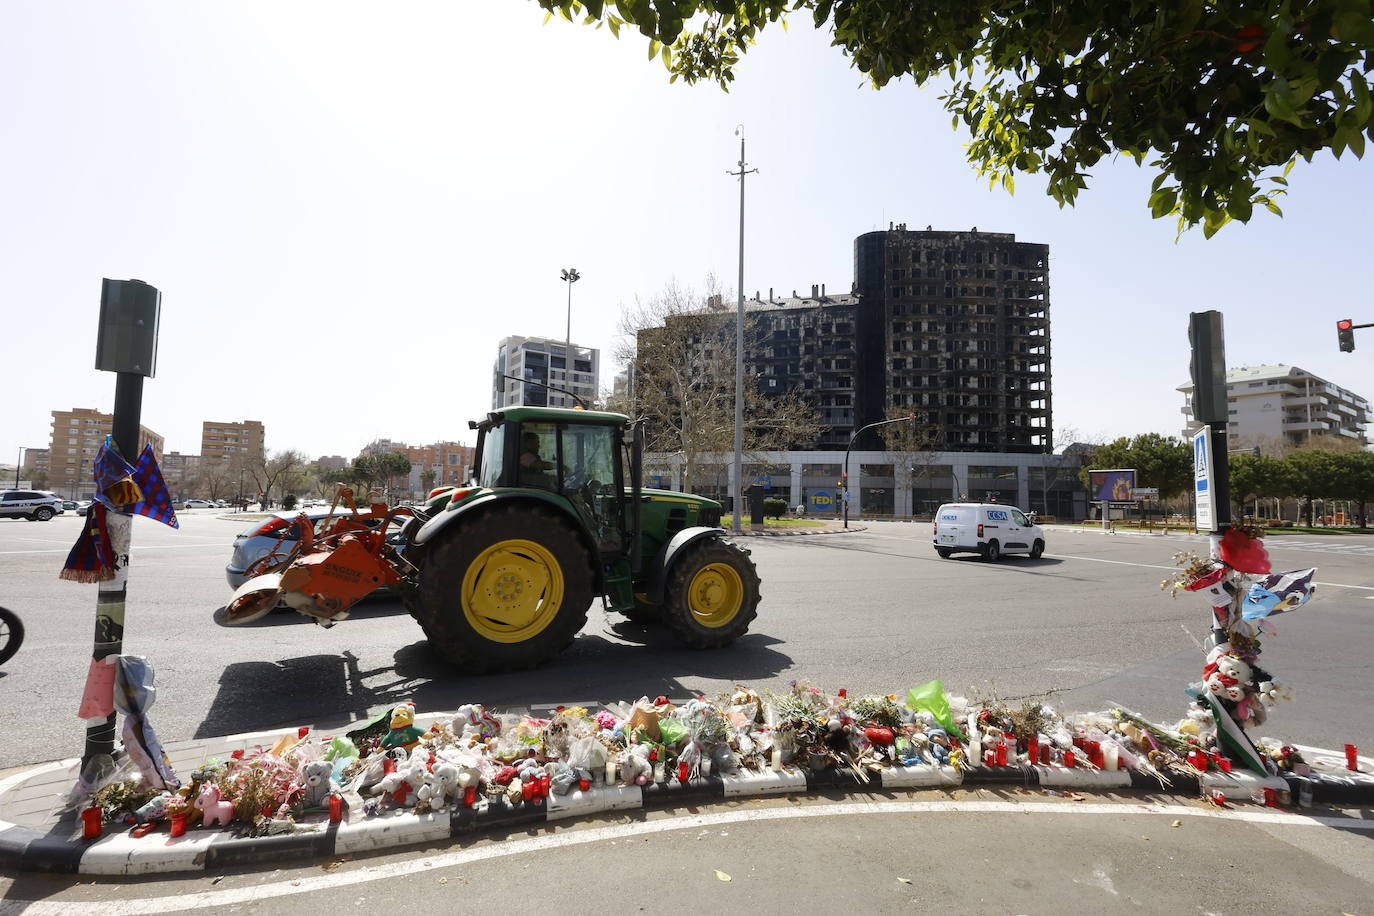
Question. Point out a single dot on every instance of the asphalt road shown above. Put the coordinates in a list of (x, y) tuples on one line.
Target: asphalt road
[(1084, 627)]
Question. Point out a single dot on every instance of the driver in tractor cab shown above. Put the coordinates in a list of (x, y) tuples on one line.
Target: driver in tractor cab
[(533, 469)]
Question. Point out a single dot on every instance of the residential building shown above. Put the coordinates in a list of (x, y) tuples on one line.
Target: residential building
[(180, 472), (382, 447), (222, 441), (37, 459), (77, 435), (450, 462), (1277, 407), (333, 462), (540, 361)]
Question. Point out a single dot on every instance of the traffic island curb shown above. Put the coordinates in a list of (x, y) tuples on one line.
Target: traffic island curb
[(805, 532), (61, 850)]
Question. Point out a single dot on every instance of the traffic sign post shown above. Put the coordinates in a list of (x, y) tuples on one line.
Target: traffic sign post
[(1204, 491)]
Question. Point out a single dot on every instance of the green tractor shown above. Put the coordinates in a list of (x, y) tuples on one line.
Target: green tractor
[(506, 569)]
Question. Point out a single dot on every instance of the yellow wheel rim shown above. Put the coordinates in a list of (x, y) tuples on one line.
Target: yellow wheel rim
[(715, 594), (512, 591)]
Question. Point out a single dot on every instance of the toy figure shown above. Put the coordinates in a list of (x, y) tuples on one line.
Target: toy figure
[(403, 733), (939, 745), (215, 810), (439, 784), (316, 780)]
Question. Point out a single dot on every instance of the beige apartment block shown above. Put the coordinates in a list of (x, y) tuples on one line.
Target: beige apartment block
[(1277, 407), (77, 435), (222, 441)]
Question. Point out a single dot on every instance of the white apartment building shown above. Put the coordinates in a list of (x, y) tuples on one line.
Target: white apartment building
[(539, 359), (1273, 406)]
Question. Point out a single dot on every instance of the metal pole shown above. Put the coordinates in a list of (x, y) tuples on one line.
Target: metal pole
[(19, 465), (111, 594), (738, 466), (844, 469)]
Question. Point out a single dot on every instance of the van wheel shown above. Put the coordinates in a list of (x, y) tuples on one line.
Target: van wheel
[(992, 551), (944, 552), (1037, 549)]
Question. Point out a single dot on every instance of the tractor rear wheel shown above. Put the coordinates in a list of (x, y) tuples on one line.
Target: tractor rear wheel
[(508, 589), (712, 594)]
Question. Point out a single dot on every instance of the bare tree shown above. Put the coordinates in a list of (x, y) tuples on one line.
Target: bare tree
[(680, 349), (269, 471)]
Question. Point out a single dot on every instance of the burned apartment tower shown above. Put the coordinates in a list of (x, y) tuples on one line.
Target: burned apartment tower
[(951, 326)]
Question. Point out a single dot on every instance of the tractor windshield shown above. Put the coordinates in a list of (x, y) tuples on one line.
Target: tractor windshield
[(493, 448)]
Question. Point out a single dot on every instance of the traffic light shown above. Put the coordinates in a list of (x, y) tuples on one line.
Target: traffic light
[(1345, 332)]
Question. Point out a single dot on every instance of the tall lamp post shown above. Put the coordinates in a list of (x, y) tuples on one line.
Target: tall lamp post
[(19, 465), (570, 276), (844, 469), (738, 466)]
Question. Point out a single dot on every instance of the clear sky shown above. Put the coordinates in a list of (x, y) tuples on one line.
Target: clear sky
[(347, 205)]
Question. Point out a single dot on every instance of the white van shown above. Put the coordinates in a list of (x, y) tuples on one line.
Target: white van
[(989, 529)]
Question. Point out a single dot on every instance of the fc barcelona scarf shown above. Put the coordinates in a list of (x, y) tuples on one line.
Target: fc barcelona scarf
[(92, 557), (114, 484)]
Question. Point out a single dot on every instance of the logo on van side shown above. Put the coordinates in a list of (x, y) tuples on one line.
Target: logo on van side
[(949, 518), (999, 515)]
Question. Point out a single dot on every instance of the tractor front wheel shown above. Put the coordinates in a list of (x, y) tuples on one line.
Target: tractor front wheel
[(712, 594), (509, 589)]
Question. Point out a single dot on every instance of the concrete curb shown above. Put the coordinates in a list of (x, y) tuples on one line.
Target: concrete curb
[(61, 850), (805, 532)]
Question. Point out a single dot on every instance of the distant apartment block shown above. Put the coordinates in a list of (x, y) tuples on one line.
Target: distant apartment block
[(37, 459), (333, 462), (1276, 406), (381, 447), (77, 435), (223, 442), (180, 471), (449, 462), (540, 361)]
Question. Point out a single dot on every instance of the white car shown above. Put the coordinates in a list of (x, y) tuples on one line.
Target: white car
[(33, 505), (197, 504), (988, 529)]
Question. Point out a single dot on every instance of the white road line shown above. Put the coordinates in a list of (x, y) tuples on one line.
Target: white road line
[(237, 896), (219, 546), (1064, 556)]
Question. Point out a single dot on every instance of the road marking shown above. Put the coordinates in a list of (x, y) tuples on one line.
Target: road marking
[(1064, 556), (218, 545), (237, 896)]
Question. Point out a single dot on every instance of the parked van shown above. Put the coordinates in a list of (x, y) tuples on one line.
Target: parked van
[(989, 529)]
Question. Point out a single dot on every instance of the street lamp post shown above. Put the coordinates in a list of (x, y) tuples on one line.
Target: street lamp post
[(844, 469), (738, 466), (570, 276), (18, 465)]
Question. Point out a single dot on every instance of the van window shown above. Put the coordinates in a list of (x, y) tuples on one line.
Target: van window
[(1019, 518)]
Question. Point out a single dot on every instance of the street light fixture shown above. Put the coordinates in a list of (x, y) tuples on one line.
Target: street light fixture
[(844, 469), (570, 276)]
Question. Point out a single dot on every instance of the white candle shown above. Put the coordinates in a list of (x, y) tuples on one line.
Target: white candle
[(775, 760), (610, 771), (1110, 755), (706, 765)]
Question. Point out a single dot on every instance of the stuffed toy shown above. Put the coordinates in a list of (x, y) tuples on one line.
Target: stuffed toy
[(215, 810), (403, 732), (401, 786), (439, 783), (155, 809), (316, 779), (635, 767), (473, 723), (1226, 675), (939, 745)]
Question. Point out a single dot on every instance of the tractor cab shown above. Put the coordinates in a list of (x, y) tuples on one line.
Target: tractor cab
[(588, 458)]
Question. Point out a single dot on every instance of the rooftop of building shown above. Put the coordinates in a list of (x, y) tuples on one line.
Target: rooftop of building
[(1273, 373)]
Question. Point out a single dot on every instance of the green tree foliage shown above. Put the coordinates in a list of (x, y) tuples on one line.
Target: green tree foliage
[(1219, 99), (1165, 462), (1316, 475), (1255, 476)]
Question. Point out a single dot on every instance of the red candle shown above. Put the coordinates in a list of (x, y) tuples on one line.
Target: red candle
[(844, 694), (178, 824), (1352, 757), (1046, 753), (1271, 797), (527, 789), (1032, 749), (544, 785), (1001, 753), (470, 796), (990, 757), (1069, 759), (91, 824), (584, 784), (302, 731), (682, 770), (335, 808)]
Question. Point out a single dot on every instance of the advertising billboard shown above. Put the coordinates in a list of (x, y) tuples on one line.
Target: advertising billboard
[(1114, 485)]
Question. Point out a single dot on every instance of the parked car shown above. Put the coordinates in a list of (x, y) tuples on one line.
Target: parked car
[(34, 505), (988, 529), (197, 504), (260, 538), (70, 505)]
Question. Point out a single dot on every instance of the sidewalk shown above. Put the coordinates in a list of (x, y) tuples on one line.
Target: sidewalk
[(35, 836)]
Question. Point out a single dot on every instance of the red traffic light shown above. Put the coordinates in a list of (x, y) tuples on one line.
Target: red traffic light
[(1344, 324), (1345, 334)]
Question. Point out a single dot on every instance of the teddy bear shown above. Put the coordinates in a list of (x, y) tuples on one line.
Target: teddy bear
[(472, 723), (403, 732), (439, 783), (401, 785), (315, 778), (1226, 675)]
